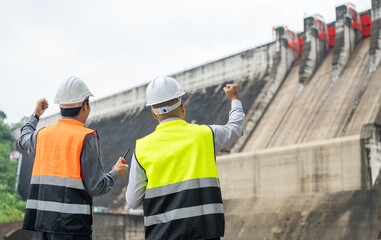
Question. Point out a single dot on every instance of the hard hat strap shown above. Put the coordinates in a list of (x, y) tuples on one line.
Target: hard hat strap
[(166, 109)]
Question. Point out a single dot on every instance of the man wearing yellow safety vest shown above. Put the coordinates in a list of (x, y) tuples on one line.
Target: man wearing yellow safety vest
[(173, 170), (67, 171)]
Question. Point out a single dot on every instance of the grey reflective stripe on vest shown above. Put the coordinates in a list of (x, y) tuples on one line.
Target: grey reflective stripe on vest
[(57, 181), (184, 213), (180, 186), (58, 207)]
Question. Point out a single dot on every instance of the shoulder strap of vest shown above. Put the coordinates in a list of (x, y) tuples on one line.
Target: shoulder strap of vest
[(96, 133), (137, 160), (91, 134), (214, 144)]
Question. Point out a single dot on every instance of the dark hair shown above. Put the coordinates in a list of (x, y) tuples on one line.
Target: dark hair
[(72, 112)]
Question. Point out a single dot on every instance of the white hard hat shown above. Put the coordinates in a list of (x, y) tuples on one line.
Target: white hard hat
[(162, 89), (72, 93)]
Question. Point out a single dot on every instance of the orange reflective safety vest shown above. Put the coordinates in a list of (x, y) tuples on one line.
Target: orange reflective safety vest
[(57, 200)]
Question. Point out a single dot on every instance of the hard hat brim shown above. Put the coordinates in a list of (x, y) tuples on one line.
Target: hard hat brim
[(164, 99), (57, 101)]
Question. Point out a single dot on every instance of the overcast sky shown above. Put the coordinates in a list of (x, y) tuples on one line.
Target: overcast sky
[(114, 45)]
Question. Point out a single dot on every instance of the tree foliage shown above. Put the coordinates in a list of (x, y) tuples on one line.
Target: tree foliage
[(11, 206), (2, 115)]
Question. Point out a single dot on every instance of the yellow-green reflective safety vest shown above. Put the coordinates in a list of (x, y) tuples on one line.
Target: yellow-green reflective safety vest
[(183, 197)]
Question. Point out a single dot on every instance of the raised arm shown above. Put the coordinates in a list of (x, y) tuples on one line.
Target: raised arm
[(28, 138), (225, 135)]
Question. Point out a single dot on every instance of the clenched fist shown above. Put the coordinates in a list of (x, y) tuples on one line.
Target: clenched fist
[(231, 91), (41, 106)]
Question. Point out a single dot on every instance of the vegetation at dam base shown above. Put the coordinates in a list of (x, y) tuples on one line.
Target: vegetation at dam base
[(12, 208)]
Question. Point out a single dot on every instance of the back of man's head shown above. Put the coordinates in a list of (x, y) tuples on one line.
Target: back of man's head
[(168, 108), (72, 94), (164, 95), (72, 112)]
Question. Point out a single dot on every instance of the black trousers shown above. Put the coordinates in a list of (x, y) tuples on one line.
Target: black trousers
[(53, 236)]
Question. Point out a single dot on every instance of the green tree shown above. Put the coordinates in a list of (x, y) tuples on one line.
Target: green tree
[(11, 206), (2, 115), (7, 167)]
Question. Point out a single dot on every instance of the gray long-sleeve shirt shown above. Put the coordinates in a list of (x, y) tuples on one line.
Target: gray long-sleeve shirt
[(95, 179), (224, 135)]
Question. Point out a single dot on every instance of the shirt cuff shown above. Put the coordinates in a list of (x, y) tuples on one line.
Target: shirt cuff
[(236, 103), (114, 174), (33, 121)]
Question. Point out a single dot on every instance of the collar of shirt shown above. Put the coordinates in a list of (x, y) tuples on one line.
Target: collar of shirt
[(169, 120), (72, 119)]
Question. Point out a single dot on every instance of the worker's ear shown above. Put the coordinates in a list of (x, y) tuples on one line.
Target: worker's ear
[(182, 111), (84, 107), (154, 115), (182, 106)]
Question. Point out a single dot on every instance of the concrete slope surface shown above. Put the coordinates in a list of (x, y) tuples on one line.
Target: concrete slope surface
[(323, 108)]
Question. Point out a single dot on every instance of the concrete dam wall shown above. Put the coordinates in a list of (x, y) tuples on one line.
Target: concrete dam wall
[(123, 118), (308, 164)]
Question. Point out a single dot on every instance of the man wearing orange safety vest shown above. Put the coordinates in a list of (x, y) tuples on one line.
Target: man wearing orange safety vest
[(67, 171), (173, 170)]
